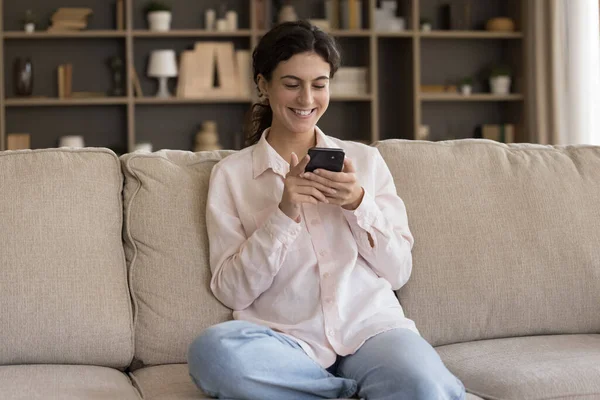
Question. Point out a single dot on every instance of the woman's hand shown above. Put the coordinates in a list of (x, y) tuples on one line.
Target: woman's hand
[(349, 193), (298, 190)]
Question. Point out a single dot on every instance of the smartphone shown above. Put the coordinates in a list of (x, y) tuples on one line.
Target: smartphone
[(325, 158)]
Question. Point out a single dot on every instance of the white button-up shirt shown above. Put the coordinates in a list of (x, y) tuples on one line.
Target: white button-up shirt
[(319, 281)]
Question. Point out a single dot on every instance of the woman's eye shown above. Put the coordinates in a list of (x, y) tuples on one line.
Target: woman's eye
[(291, 86), (319, 87)]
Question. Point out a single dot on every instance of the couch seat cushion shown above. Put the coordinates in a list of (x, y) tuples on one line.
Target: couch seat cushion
[(533, 367), (166, 382), (172, 382), (64, 382)]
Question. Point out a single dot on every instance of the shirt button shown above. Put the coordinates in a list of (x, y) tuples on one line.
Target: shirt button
[(326, 275), (330, 332), (329, 300), (323, 253), (315, 222)]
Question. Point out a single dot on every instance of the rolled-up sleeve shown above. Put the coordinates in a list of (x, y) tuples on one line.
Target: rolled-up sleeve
[(380, 226), (243, 267)]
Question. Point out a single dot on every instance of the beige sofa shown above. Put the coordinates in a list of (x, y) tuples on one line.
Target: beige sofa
[(104, 275)]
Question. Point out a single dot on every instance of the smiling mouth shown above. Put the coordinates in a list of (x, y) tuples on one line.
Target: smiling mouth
[(303, 113)]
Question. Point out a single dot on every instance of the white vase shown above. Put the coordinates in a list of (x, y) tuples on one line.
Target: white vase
[(29, 27), (500, 85), (287, 14), (159, 21), (466, 90)]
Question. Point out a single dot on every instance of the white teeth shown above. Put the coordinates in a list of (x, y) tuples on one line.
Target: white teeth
[(302, 112)]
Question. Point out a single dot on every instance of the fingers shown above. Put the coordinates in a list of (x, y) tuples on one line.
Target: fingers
[(323, 180), (313, 192), (293, 161), (341, 177), (320, 186), (348, 166), (299, 167)]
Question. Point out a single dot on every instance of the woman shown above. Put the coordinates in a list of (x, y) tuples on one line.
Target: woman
[(309, 261)]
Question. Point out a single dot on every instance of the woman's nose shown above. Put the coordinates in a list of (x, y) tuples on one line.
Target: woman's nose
[(306, 96)]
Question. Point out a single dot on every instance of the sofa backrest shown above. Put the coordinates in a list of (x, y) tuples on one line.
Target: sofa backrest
[(63, 283), (166, 245), (507, 237)]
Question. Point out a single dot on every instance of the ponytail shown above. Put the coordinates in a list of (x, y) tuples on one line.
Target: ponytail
[(259, 118)]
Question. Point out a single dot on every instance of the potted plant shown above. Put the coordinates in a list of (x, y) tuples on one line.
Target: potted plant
[(29, 21), (500, 79), (425, 24), (159, 16), (466, 85)]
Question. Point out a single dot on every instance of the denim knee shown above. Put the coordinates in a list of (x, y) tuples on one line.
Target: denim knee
[(428, 386), (206, 353)]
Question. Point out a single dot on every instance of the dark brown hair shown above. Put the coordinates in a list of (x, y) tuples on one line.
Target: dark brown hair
[(280, 44)]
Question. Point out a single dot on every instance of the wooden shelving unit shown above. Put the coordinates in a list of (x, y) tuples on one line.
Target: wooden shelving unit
[(399, 63)]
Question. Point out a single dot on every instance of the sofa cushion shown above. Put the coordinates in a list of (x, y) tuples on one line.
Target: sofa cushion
[(64, 382), (167, 251), (166, 382), (542, 367), (506, 237), (63, 283)]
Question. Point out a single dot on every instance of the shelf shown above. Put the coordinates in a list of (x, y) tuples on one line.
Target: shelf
[(357, 97), (384, 34), (91, 34), (181, 100), (472, 97), (338, 32), (53, 101), (470, 35), (350, 32), (191, 33)]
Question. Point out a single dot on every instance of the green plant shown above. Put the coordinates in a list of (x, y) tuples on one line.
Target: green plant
[(157, 6), (466, 81), (500, 70), (29, 17)]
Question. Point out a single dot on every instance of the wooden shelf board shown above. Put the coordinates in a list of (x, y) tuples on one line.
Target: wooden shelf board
[(92, 34), (181, 100), (384, 34), (472, 97), (470, 35), (54, 101), (357, 97), (192, 33), (350, 32), (337, 32)]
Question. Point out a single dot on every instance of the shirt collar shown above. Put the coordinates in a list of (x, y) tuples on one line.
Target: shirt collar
[(264, 156)]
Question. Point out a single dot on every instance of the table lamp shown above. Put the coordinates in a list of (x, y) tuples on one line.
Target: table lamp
[(162, 65)]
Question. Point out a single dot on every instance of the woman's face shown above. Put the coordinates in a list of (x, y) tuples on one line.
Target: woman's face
[(298, 92)]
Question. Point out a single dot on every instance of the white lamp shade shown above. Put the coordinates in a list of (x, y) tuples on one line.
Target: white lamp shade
[(163, 64)]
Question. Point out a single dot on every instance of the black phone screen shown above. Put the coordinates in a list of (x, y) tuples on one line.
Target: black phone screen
[(325, 158)]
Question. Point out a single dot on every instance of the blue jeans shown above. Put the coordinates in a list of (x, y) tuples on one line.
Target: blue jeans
[(241, 360)]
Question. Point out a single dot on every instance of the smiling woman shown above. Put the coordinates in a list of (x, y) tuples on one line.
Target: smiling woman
[(308, 258), (294, 82)]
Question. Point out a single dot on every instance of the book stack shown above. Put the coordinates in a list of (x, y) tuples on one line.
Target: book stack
[(65, 80), (350, 81), (209, 60), (504, 133), (344, 14), (70, 19), (18, 141)]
